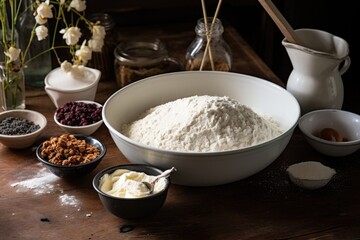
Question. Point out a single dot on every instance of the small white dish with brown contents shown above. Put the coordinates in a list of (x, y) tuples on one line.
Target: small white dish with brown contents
[(332, 132)]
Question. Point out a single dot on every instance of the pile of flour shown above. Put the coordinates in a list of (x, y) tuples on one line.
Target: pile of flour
[(201, 124)]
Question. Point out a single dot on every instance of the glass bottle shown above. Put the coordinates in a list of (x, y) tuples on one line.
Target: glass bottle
[(40, 65), (103, 60), (218, 56)]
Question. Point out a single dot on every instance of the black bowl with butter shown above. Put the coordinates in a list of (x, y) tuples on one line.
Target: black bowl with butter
[(132, 208)]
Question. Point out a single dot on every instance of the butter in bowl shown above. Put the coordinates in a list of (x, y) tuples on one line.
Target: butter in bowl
[(122, 191)]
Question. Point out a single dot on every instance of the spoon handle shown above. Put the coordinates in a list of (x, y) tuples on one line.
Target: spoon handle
[(166, 173), (280, 21)]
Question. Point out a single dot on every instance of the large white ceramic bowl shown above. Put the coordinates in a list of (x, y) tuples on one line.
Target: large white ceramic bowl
[(203, 169), (61, 87), (347, 124)]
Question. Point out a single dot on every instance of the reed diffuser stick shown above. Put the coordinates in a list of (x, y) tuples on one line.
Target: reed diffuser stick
[(208, 37), (208, 48)]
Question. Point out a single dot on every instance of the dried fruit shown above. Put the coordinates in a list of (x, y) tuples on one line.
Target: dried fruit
[(331, 134), (78, 113)]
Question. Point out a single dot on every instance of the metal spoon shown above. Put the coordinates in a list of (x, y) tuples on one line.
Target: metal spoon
[(151, 185)]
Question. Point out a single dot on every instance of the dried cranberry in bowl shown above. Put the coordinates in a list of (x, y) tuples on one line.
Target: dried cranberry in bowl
[(78, 113)]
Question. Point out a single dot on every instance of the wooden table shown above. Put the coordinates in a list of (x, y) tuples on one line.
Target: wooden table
[(34, 204)]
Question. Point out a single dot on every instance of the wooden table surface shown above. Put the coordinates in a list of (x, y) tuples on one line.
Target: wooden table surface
[(34, 204)]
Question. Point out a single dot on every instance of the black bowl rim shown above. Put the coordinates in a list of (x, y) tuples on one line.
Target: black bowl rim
[(96, 179), (99, 158)]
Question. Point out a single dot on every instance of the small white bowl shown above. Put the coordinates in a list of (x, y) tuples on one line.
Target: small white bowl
[(25, 140), (83, 130), (310, 175), (345, 123), (62, 87)]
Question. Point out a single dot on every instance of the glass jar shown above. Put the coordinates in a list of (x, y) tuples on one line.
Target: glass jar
[(218, 56), (103, 60), (138, 59)]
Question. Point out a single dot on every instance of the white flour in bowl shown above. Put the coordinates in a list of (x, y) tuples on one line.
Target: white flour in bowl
[(201, 124)]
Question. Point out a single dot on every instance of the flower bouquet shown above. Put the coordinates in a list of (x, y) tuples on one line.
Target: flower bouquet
[(68, 17)]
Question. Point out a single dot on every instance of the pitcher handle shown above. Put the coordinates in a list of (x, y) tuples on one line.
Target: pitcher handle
[(345, 66)]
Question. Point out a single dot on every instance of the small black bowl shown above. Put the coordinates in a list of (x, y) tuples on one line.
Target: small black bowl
[(132, 208), (75, 170)]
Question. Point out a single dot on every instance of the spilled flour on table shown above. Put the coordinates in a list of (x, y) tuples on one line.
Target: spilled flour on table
[(45, 182), (42, 183), (69, 200)]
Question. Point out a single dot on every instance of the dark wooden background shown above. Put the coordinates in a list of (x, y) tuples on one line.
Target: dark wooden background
[(254, 24)]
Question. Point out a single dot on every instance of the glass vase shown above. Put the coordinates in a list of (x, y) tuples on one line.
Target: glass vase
[(38, 58), (12, 88)]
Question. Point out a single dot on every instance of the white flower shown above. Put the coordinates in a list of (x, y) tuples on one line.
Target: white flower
[(71, 35), (84, 53), (40, 20), (79, 5), (66, 66), (13, 54), (44, 10), (41, 32), (77, 71), (96, 44), (98, 32)]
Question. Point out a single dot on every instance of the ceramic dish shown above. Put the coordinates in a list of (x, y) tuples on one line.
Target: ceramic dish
[(209, 168), (62, 87), (84, 130), (132, 208), (345, 123), (78, 170), (25, 140)]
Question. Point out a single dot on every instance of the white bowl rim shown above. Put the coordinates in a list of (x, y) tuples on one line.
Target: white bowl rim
[(80, 127), (203, 154), (28, 134), (323, 141)]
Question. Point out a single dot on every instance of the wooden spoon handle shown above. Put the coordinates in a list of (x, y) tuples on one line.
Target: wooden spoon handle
[(280, 21)]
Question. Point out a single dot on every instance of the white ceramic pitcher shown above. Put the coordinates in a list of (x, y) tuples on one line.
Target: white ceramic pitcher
[(318, 64)]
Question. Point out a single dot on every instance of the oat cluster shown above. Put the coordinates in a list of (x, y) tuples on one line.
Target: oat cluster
[(68, 150)]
